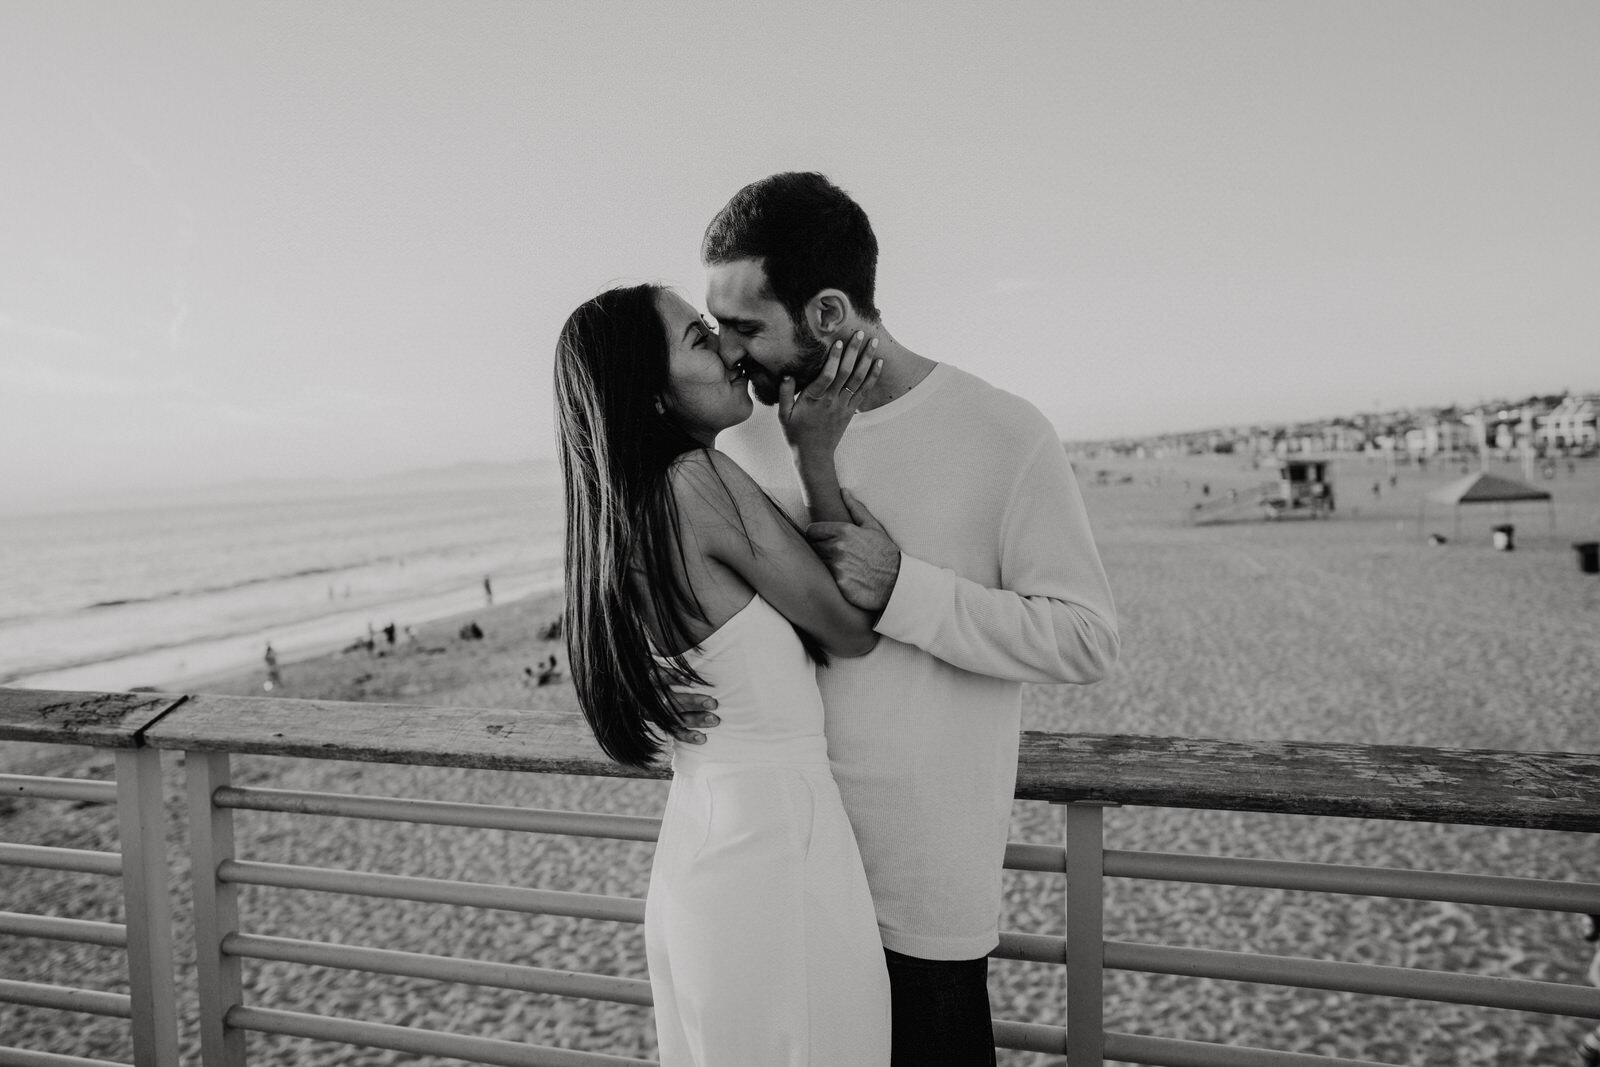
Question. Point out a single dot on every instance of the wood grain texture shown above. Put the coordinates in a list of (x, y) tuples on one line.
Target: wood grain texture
[(105, 720), (1532, 790), (551, 742)]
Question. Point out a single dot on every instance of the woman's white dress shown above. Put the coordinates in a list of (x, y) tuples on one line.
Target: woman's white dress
[(759, 930)]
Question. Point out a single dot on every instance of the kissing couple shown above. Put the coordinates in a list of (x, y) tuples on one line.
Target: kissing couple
[(825, 609)]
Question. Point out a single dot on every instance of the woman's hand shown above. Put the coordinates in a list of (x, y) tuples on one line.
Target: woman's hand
[(814, 418)]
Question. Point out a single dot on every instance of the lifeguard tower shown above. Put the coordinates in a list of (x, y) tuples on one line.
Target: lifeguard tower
[(1303, 490), (1304, 487)]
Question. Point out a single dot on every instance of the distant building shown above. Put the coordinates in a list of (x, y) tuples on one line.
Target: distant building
[(1341, 438), (1447, 435), (1570, 424), (1537, 424), (1509, 429)]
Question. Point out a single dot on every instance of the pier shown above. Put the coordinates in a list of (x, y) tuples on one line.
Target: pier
[(1084, 774)]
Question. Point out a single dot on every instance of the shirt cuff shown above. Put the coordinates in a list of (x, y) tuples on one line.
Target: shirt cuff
[(920, 597)]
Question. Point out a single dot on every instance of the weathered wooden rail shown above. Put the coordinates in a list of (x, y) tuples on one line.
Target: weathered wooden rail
[(1551, 791)]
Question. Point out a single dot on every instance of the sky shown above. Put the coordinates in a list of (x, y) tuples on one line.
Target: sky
[(290, 240)]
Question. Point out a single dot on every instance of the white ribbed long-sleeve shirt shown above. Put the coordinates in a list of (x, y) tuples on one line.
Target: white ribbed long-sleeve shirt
[(999, 584)]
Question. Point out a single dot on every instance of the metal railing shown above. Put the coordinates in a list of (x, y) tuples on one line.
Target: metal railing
[(145, 934), (1084, 773)]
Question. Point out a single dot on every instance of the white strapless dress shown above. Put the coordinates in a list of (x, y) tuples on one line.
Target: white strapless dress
[(759, 929)]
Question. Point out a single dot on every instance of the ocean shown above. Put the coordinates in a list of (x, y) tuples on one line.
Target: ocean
[(145, 592)]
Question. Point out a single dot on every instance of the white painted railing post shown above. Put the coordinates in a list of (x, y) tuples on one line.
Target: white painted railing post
[(1085, 935), (142, 827), (216, 909)]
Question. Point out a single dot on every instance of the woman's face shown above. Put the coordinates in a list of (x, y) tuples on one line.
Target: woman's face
[(703, 395)]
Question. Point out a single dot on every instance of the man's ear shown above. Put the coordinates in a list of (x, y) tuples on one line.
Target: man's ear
[(828, 311)]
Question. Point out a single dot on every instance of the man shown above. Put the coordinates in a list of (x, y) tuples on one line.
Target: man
[(972, 543)]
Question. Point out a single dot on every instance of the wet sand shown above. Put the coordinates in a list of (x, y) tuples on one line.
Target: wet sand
[(1350, 629)]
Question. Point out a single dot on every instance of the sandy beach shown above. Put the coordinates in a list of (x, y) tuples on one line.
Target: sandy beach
[(1354, 629)]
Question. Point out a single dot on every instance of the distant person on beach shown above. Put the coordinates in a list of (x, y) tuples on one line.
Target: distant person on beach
[(488, 591), (549, 671), (967, 546), (759, 926), (274, 679)]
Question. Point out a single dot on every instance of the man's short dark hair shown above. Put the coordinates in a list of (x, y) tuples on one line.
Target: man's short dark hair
[(808, 234)]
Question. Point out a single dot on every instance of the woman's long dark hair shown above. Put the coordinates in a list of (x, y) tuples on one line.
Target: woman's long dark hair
[(616, 449)]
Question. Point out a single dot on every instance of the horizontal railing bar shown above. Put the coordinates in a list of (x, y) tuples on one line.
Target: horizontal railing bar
[(444, 813), (66, 998), (1034, 948), (91, 790), (1482, 991), (419, 1042), (1168, 1052), (83, 931), (434, 890), (1020, 856), (1582, 898), (16, 1057), (441, 968), (1024, 856), (1030, 1037), (81, 860)]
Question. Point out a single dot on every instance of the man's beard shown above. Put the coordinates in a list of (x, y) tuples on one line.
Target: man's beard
[(811, 353)]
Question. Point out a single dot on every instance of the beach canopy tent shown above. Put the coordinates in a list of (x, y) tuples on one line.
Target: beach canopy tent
[(1484, 488)]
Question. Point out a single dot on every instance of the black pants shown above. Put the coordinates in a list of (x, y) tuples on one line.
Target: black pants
[(940, 1012)]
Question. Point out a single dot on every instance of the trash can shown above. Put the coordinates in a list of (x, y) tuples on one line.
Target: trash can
[(1505, 537), (1588, 556)]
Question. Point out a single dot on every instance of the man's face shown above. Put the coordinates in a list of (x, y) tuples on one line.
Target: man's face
[(755, 329)]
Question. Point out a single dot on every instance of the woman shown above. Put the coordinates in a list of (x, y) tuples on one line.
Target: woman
[(759, 930)]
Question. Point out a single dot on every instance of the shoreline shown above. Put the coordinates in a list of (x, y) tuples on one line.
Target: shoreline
[(439, 667), (181, 666)]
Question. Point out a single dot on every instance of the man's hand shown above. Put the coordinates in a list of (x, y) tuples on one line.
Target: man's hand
[(864, 559), (697, 710)]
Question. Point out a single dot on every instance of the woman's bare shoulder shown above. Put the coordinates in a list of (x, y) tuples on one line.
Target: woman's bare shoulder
[(708, 478)]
